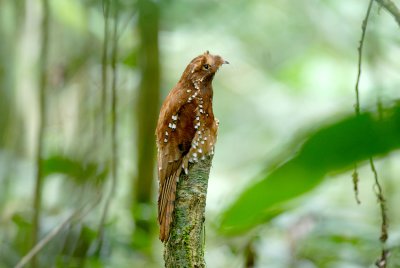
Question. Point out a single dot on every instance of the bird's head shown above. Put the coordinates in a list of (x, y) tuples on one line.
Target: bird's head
[(203, 68)]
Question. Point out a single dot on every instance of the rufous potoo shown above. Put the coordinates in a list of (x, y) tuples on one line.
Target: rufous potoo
[(186, 131)]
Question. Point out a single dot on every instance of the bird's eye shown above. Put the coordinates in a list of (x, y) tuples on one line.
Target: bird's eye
[(206, 66)]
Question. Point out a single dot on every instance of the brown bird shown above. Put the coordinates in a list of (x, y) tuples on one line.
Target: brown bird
[(186, 131)]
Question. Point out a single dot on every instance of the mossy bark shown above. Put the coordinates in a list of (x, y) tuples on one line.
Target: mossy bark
[(185, 247)]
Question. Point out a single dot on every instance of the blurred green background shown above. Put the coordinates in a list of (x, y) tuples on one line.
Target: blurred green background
[(80, 93)]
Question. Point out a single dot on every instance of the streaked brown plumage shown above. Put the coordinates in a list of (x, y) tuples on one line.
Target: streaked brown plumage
[(186, 130)]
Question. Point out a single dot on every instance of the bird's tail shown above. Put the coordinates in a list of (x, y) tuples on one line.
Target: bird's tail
[(166, 204)]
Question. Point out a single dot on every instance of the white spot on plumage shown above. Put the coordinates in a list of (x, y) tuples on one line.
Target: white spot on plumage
[(170, 125), (195, 155), (174, 117), (188, 90), (200, 150), (166, 133), (165, 140), (173, 126), (202, 142)]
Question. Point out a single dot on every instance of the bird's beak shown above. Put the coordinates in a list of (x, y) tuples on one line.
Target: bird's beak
[(225, 62)]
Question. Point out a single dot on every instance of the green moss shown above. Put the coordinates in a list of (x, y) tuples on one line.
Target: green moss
[(185, 246)]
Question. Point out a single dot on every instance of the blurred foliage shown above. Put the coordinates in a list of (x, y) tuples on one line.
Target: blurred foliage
[(283, 104), (331, 149), (76, 169)]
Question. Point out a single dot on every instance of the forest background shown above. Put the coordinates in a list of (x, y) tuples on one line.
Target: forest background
[(81, 83)]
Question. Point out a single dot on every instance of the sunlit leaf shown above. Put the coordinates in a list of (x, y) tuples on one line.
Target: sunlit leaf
[(330, 149)]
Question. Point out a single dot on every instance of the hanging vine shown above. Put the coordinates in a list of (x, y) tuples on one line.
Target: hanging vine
[(382, 261)]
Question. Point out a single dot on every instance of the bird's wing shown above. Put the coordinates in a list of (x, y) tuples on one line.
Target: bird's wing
[(175, 132)]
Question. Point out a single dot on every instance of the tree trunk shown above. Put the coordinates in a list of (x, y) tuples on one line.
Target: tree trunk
[(185, 247), (147, 108)]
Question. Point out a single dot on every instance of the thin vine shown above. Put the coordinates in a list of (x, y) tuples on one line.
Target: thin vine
[(382, 262)]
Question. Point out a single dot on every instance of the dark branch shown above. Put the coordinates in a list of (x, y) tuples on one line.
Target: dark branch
[(391, 8)]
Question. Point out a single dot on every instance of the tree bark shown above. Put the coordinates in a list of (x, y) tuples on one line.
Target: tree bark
[(185, 247)]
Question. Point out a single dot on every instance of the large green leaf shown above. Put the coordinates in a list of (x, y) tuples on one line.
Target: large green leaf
[(333, 148)]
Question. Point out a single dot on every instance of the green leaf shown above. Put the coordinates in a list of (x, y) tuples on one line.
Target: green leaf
[(76, 169), (331, 149), (130, 60)]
